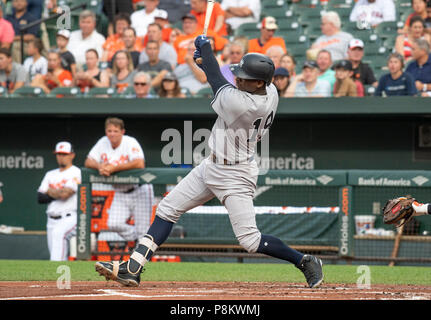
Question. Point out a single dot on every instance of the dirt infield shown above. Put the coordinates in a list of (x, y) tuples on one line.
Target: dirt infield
[(100, 290)]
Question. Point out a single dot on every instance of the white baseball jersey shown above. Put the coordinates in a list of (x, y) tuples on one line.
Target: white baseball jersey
[(128, 150), (243, 118), (57, 179)]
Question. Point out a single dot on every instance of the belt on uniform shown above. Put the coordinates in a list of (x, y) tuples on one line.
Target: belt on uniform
[(132, 189), (59, 217), (227, 163)]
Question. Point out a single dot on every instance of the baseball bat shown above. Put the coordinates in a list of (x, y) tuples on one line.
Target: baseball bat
[(210, 6), (396, 245)]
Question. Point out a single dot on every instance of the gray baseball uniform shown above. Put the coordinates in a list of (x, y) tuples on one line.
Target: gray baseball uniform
[(230, 172)]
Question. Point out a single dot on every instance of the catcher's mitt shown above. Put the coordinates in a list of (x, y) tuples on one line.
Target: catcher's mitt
[(398, 211)]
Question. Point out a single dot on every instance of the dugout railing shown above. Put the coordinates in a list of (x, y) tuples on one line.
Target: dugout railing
[(313, 211)]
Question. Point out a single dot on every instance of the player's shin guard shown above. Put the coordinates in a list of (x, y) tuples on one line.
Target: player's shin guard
[(142, 254)]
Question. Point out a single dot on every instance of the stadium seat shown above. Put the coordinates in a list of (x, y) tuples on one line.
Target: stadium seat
[(28, 92), (307, 4), (387, 29), (334, 4), (298, 51), (65, 92), (308, 16), (369, 89), (248, 29), (103, 92), (292, 38), (277, 13), (274, 4), (3, 92), (186, 92), (204, 93), (344, 13)]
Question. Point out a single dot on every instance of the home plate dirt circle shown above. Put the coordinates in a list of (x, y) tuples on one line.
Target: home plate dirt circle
[(167, 290)]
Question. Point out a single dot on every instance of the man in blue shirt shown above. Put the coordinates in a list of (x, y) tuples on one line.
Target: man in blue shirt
[(19, 18), (420, 68), (397, 82)]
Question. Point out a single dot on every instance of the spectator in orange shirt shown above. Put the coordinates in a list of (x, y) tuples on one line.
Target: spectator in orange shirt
[(56, 75), (266, 39), (191, 31), (115, 41), (217, 22)]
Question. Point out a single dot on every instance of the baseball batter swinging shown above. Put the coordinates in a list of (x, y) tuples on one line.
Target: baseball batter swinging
[(245, 114)]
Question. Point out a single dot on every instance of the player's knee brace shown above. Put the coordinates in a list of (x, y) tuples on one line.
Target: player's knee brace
[(142, 254), (250, 242)]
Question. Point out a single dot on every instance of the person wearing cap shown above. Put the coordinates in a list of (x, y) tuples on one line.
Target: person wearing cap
[(396, 82), (217, 21), (7, 33), (281, 80), (332, 39), (191, 30), (155, 67), (35, 63), (170, 87), (58, 190), (361, 71), (238, 12), (344, 86), (167, 52), (307, 83), (142, 18), (68, 61), (266, 39)]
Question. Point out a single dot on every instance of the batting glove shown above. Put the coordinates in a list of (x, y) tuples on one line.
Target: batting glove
[(200, 41)]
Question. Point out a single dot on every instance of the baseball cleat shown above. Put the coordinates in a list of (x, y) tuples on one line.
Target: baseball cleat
[(119, 272), (312, 269)]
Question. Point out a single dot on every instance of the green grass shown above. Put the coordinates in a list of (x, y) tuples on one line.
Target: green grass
[(29, 270)]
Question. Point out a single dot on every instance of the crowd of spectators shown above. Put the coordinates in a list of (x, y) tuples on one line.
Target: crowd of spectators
[(147, 50)]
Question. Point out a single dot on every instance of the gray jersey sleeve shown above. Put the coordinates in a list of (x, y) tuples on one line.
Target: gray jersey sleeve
[(230, 103)]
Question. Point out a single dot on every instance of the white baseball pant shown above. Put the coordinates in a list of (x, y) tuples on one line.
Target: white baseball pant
[(59, 232), (139, 204)]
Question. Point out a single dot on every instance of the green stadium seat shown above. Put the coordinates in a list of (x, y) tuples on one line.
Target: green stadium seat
[(186, 92), (247, 28), (334, 4), (103, 92), (3, 92), (277, 13), (274, 4), (64, 92), (344, 13), (298, 51), (369, 89), (308, 16), (387, 29), (204, 93), (28, 91), (376, 62), (307, 4), (294, 39)]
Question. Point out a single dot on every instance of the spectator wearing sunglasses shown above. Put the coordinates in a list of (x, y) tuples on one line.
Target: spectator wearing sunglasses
[(142, 86)]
